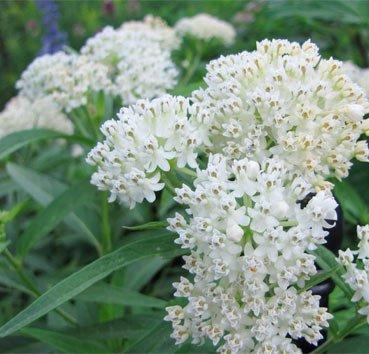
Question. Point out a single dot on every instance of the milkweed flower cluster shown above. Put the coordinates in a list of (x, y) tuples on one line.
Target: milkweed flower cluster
[(273, 124), (284, 100), (66, 78), (138, 67), (20, 113), (356, 264), (358, 75), (155, 29), (248, 237), (206, 27), (144, 140)]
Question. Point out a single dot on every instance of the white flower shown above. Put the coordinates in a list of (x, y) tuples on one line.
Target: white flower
[(206, 27), (284, 100), (66, 78), (153, 28), (138, 66), (248, 254), (319, 213), (358, 75), (363, 235), (140, 144), (357, 273), (21, 114)]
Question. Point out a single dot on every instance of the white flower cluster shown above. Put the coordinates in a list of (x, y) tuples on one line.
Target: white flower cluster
[(357, 75), (206, 27), (358, 277), (138, 66), (66, 78), (155, 29), (248, 236), (284, 100), (20, 114), (144, 140)]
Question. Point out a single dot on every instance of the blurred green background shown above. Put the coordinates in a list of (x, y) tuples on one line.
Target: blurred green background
[(339, 27)]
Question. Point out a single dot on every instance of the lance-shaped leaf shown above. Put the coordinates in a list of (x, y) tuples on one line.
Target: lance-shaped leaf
[(162, 244), (17, 140), (53, 214)]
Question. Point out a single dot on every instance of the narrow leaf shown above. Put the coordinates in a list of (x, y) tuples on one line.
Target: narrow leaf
[(152, 225), (140, 273), (351, 202), (155, 340), (108, 294), (17, 140), (53, 214), (129, 327), (63, 342), (40, 187), (76, 283), (318, 278), (44, 189), (327, 261)]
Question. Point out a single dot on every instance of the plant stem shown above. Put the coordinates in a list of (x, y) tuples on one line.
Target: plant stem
[(193, 65), (186, 171), (31, 286), (105, 224), (324, 346)]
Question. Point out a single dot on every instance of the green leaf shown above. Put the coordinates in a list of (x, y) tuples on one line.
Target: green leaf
[(152, 225), (63, 342), (139, 274), (108, 294), (73, 285), (17, 140), (53, 214), (318, 278), (352, 204), (40, 187), (44, 189), (352, 345), (327, 261), (155, 340), (186, 90), (129, 327)]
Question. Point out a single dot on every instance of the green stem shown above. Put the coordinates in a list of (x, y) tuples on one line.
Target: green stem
[(30, 285), (168, 184), (186, 171), (105, 224), (193, 65)]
